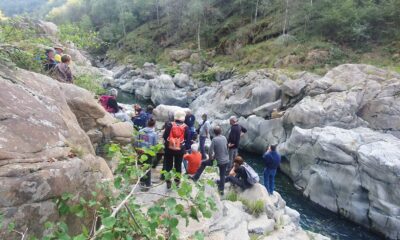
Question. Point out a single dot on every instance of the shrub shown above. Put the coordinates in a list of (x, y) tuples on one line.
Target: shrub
[(91, 83)]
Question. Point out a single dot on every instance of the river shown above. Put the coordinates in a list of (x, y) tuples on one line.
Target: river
[(313, 217)]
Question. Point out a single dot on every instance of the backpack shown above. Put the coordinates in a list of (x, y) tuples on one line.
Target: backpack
[(176, 136), (252, 176)]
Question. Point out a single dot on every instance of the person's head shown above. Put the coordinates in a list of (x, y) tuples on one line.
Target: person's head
[(113, 92), (179, 115), (272, 148), (238, 161), (59, 49), (233, 120), (151, 123), (217, 130), (194, 148), (204, 116), (66, 59), (137, 107), (50, 53), (188, 112), (150, 109), (170, 116)]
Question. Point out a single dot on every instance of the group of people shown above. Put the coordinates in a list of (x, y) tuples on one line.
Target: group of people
[(56, 63), (185, 146)]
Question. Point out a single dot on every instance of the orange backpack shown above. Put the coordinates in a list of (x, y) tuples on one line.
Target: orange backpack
[(176, 136)]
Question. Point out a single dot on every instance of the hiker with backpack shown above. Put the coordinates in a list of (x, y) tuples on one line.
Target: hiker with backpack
[(146, 139), (234, 139), (204, 133), (219, 153), (189, 121), (272, 160), (141, 117), (175, 135), (242, 174)]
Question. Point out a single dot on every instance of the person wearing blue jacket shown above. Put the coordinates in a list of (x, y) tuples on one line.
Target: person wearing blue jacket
[(272, 160)]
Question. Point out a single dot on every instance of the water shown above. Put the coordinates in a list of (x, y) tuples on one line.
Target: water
[(313, 217)]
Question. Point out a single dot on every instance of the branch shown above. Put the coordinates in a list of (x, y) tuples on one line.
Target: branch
[(118, 208), (134, 220)]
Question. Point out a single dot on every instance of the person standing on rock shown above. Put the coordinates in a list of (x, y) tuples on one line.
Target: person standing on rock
[(218, 152), (204, 133), (272, 160), (175, 135), (234, 139), (189, 121)]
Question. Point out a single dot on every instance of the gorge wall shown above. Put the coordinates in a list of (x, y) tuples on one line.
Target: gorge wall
[(339, 134)]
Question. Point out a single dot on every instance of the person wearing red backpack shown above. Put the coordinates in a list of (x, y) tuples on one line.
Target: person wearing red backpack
[(175, 135)]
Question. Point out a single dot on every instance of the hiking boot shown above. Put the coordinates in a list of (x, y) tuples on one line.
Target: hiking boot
[(169, 185), (221, 193)]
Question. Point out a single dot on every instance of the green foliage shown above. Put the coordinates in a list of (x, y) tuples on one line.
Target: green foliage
[(255, 208), (210, 75), (83, 37), (91, 83), (232, 196), (172, 71), (159, 220)]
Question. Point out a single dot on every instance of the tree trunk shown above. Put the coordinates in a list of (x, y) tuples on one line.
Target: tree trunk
[(198, 36), (158, 11), (256, 11), (286, 17)]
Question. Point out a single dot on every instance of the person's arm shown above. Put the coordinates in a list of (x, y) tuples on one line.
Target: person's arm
[(154, 140), (232, 172), (166, 132)]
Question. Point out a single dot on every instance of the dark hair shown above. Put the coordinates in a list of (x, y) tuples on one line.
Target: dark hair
[(112, 103), (65, 58), (239, 160), (150, 109), (151, 122), (217, 130), (273, 148)]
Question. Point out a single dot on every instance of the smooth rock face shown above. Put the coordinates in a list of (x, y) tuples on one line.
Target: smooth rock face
[(354, 172), (238, 96), (41, 124)]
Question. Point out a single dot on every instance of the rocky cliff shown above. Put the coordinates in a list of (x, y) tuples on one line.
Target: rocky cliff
[(47, 133), (339, 134)]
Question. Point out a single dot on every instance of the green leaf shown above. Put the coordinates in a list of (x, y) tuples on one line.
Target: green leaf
[(11, 227), (109, 222), (170, 203), (193, 213), (80, 237), (92, 203), (173, 222), (66, 196), (117, 182), (198, 236)]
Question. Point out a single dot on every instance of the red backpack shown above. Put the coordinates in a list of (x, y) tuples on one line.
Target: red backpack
[(176, 136)]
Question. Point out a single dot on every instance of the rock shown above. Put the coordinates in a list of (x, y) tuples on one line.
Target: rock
[(262, 225), (163, 92), (195, 57), (133, 84), (121, 131), (261, 133), (119, 71), (239, 233), (48, 28), (265, 110), (144, 92), (179, 55), (181, 80), (95, 136), (293, 214), (238, 96), (293, 88), (163, 112), (149, 71), (38, 133), (348, 171), (77, 56), (186, 68)]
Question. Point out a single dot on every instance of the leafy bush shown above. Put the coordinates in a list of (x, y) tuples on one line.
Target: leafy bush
[(91, 83), (83, 38), (172, 71)]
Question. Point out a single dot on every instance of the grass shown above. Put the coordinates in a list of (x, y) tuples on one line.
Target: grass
[(255, 208)]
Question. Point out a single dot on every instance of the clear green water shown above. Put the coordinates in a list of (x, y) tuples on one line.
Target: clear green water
[(313, 217)]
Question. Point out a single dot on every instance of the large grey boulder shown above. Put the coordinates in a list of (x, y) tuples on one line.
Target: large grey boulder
[(163, 91), (350, 96), (180, 54), (238, 96), (353, 172), (181, 80), (131, 85)]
